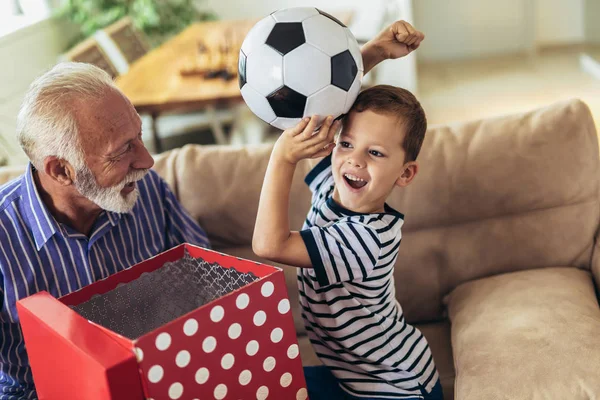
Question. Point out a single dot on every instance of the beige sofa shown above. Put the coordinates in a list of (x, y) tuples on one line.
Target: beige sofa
[(499, 253)]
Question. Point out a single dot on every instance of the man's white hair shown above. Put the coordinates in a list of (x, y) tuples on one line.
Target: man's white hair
[(46, 124)]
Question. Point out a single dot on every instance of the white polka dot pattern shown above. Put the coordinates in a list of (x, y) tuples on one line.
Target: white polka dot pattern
[(259, 318), (267, 289), (252, 348), (155, 374), (235, 330), (217, 314), (245, 377), (209, 344), (283, 306), (285, 380), (175, 391), (163, 341), (243, 346), (183, 358), (276, 335), (302, 394), (293, 351), (262, 393), (202, 376), (139, 354), (242, 301), (190, 327), (227, 361), (269, 364), (220, 391)]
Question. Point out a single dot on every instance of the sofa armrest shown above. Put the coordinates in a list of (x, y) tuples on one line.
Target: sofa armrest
[(524, 335), (10, 173)]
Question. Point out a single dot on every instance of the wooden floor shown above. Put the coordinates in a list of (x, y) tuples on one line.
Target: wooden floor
[(472, 89)]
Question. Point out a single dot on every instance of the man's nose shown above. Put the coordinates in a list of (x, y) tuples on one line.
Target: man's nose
[(143, 159)]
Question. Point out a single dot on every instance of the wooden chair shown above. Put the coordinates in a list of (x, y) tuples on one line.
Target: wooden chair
[(130, 41), (89, 51), (124, 45)]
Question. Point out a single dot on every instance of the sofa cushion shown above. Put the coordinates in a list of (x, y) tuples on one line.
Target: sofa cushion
[(527, 335)]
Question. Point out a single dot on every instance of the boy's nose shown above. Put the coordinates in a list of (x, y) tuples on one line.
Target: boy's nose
[(355, 161)]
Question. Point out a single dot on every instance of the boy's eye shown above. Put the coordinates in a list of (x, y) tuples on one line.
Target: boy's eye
[(345, 144), (375, 153)]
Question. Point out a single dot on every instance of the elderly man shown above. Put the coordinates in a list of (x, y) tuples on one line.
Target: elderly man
[(88, 204)]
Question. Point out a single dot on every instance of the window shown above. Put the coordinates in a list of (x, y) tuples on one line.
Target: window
[(16, 14)]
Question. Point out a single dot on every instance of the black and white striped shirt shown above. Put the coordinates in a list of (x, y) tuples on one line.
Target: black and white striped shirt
[(348, 299)]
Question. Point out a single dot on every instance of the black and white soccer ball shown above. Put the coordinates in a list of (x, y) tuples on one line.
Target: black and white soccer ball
[(299, 62)]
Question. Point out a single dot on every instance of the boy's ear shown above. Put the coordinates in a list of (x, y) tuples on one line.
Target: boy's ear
[(410, 170)]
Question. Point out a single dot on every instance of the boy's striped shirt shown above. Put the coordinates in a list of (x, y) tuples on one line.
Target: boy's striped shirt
[(349, 302)]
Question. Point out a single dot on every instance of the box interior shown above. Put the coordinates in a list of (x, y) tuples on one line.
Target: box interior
[(156, 298)]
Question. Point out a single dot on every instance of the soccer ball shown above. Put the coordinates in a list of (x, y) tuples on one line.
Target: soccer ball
[(299, 62)]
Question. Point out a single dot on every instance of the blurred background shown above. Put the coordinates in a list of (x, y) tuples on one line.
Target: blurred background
[(176, 59)]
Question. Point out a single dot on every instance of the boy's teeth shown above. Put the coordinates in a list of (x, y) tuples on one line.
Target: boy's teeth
[(354, 178)]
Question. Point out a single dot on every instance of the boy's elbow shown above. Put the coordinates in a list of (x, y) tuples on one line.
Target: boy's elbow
[(262, 248)]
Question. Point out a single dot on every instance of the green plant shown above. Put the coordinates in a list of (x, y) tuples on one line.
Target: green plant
[(158, 19)]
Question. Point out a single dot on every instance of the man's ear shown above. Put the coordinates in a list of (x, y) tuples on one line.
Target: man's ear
[(408, 174), (59, 170)]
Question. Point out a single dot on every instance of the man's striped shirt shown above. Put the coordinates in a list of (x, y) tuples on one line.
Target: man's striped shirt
[(38, 253), (348, 299)]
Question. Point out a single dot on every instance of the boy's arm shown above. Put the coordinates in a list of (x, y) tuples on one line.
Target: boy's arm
[(397, 40), (272, 236)]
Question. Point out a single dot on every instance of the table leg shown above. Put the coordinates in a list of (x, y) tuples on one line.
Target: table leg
[(216, 126), (247, 128), (155, 137)]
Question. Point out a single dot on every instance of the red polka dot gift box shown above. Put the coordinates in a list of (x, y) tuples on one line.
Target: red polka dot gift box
[(190, 323)]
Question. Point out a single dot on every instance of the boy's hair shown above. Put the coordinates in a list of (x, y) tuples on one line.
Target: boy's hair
[(400, 103)]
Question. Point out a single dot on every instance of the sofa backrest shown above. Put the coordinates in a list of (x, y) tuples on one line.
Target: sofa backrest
[(492, 196), (9, 173), (498, 195)]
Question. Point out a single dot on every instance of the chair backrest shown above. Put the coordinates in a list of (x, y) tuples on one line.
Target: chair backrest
[(89, 51), (128, 40)]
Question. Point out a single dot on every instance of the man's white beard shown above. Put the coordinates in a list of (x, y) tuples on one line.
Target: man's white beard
[(110, 198)]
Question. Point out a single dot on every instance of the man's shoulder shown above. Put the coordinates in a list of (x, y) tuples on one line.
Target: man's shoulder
[(154, 176), (10, 192), (152, 184)]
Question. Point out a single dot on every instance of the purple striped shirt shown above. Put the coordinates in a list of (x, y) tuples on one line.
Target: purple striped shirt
[(37, 253)]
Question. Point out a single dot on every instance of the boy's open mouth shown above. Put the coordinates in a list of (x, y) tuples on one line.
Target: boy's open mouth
[(354, 181)]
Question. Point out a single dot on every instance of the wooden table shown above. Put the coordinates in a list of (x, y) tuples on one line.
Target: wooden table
[(154, 83)]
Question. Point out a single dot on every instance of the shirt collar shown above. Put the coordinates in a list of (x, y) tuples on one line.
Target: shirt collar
[(41, 222)]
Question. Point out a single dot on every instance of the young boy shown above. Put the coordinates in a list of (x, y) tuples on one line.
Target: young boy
[(348, 246)]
